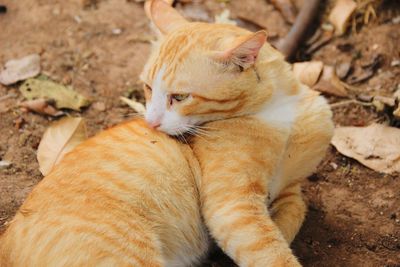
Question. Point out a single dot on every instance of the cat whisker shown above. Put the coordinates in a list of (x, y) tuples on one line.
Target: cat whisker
[(203, 132), (190, 129), (180, 135)]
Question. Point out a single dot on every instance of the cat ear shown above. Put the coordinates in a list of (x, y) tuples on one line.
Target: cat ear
[(164, 16), (245, 50)]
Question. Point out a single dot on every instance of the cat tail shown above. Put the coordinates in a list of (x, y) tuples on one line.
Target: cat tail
[(239, 221)]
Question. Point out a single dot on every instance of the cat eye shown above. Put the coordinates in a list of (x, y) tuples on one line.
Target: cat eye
[(179, 97), (146, 86)]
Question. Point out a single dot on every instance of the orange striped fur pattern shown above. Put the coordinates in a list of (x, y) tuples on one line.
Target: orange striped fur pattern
[(257, 131), (126, 197)]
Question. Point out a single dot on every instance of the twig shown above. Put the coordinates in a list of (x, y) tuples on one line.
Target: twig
[(306, 15), (348, 102), (10, 95)]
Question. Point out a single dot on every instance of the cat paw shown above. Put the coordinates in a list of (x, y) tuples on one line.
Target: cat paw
[(288, 261)]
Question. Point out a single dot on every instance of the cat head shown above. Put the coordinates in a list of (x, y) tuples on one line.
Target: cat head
[(199, 72)]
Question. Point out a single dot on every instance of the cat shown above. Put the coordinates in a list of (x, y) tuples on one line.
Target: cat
[(258, 132), (126, 197)]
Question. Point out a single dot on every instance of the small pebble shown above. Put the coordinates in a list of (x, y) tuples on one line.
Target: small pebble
[(78, 19), (99, 106), (4, 164), (116, 31), (327, 27), (56, 11), (396, 20), (395, 63), (333, 165)]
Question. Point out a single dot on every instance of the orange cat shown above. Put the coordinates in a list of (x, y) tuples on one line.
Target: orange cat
[(126, 197), (266, 132)]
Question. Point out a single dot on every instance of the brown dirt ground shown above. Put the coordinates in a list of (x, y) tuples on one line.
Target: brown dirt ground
[(354, 216)]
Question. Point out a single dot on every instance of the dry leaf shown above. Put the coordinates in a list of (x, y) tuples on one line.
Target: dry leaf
[(329, 83), (64, 96), (343, 69), (308, 73), (319, 77), (260, 13), (60, 138), (194, 12), (41, 106), (396, 112), (137, 106), (376, 146), (340, 15), (287, 9), (20, 69), (223, 18)]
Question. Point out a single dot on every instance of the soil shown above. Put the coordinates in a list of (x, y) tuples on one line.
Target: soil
[(354, 215)]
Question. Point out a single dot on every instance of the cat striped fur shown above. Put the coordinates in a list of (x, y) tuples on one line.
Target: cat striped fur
[(258, 131), (126, 197)]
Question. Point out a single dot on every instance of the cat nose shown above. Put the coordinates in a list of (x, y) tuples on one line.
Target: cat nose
[(154, 124)]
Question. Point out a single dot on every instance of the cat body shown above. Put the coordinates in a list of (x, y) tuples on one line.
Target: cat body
[(251, 184), (126, 197), (258, 131)]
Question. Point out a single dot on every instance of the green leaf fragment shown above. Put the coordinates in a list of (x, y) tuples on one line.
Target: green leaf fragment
[(64, 96)]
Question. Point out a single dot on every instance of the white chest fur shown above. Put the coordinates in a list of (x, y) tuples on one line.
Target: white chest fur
[(280, 111)]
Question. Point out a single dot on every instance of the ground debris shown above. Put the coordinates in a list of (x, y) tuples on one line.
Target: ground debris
[(341, 14), (319, 77), (3, 9), (60, 138), (194, 11), (63, 96), (135, 105), (343, 69), (224, 18), (20, 69), (287, 9), (308, 72), (376, 146), (41, 106), (4, 164)]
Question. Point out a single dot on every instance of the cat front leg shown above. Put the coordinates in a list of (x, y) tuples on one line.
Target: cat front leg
[(240, 222), (288, 210)]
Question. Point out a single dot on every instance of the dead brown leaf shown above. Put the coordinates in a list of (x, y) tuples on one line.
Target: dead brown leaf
[(287, 9), (60, 138), (308, 72), (137, 106), (63, 96), (41, 106), (343, 69), (194, 12), (319, 77), (396, 112), (329, 83), (20, 69), (341, 14), (224, 18), (376, 146)]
